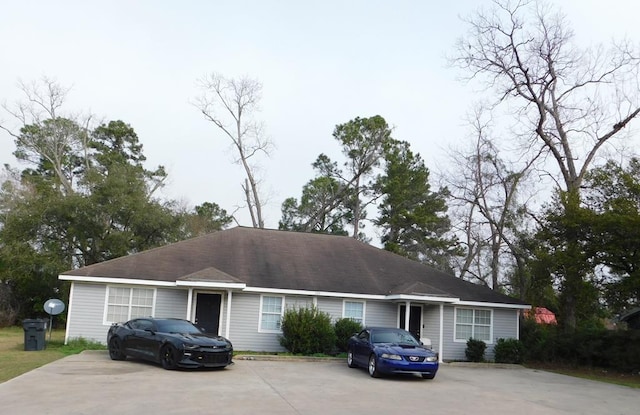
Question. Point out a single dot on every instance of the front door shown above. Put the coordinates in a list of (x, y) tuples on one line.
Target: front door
[(415, 319), (208, 312)]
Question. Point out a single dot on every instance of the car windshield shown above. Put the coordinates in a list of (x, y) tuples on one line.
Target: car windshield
[(393, 336), (177, 326)]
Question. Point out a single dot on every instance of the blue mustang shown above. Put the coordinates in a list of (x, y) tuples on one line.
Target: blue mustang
[(391, 350)]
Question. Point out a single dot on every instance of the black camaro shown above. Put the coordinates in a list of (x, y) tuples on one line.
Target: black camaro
[(171, 342)]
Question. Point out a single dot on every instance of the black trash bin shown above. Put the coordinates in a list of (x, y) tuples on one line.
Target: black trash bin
[(34, 334)]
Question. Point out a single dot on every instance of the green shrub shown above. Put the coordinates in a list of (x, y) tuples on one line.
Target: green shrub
[(540, 341), (508, 351), (307, 331), (475, 350), (345, 328), (588, 345)]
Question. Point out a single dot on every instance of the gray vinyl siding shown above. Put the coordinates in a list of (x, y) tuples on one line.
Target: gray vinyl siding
[(171, 303), (244, 334), (431, 325), (451, 350), (86, 312), (331, 306), (505, 326), (245, 315), (379, 313), (504, 323)]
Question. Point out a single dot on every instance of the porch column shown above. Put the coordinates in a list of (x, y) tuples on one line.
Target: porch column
[(228, 319), (407, 314), (441, 337), (189, 303)]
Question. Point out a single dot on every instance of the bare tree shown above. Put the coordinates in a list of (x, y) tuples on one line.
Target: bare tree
[(489, 201), (566, 101), (43, 133), (230, 104)]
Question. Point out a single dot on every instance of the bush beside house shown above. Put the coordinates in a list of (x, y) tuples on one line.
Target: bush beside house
[(475, 350), (345, 328), (307, 331)]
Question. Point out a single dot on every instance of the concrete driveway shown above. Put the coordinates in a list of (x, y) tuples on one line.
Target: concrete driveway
[(90, 383)]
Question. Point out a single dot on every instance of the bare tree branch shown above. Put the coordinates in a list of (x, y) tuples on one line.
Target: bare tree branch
[(230, 104)]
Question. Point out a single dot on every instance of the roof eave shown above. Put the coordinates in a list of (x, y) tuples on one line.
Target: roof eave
[(212, 284), (426, 298), (112, 280), (493, 305)]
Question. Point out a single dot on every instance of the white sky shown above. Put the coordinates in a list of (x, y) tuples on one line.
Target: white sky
[(321, 63)]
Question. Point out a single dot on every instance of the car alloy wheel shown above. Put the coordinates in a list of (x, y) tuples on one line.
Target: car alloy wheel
[(169, 357), (115, 350), (350, 362), (373, 366)]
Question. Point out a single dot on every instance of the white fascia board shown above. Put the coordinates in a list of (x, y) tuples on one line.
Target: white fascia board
[(205, 284), (128, 281), (493, 305), (313, 293), (429, 298)]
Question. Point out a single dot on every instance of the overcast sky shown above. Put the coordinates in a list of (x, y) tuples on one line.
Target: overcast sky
[(321, 63)]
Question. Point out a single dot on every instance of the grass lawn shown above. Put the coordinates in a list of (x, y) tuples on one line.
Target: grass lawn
[(14, 361), (631, 380)]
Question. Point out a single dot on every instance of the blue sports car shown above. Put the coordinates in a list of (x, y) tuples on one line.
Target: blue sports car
[(391, 350)]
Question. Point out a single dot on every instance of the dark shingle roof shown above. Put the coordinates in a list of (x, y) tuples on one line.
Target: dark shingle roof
[(290, 260)]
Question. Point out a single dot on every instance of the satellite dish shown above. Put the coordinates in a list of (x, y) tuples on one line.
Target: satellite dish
[(53, 307)]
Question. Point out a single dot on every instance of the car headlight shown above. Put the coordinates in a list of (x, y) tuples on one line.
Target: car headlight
[(431, 358), (188, 346), (391, 356)]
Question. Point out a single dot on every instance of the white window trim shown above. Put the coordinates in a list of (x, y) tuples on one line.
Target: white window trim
[(364, 309), (105, 321), (473, 325), (260, 329)]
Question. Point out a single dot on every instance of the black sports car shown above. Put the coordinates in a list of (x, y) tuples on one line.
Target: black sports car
[(391, 350), (171, 342)]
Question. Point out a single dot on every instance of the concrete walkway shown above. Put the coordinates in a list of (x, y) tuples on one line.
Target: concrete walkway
[(90, 383)]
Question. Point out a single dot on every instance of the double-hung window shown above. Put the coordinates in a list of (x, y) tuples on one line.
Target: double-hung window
[(354, 310), (125, 303), (473, 324), (271, 311)]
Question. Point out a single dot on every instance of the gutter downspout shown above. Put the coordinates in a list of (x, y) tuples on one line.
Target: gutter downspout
[(228, 322), (69, 312), (441, 337), (189, 303), (518, 324), (407, 314)]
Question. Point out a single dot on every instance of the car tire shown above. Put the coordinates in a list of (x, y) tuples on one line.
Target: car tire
[(428, 375), (350, 361), (373, 366), (169, 357), (115, 349)]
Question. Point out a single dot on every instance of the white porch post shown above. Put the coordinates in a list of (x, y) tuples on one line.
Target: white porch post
[(228, 322), (441, 337), (407, 313), (189, 304)]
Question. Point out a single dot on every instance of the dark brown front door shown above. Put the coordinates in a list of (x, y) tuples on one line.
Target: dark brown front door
[(208, 312), (415, 317)]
